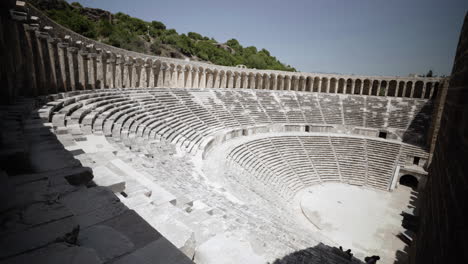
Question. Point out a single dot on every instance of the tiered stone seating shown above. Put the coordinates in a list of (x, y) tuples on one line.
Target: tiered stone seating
[(376, 111), (300, 161), (273, 109), (399, 116), (331, 108), (234, 105), (353, 110), (320, 151), (311, 108), (291, 107), (351, 157), (382, 158)]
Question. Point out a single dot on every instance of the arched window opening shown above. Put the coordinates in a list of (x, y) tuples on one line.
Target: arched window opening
[(409, 181)]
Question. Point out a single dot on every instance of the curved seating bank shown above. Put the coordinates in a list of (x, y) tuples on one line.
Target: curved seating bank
[(359, 130)]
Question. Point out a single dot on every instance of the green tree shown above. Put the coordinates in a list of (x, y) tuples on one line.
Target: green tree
[(158, 25)]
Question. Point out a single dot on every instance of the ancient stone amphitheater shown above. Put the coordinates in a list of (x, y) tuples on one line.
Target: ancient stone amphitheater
[(111, 156)]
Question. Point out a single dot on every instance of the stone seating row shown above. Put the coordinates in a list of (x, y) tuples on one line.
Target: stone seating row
[(290, 163), (182, 116)]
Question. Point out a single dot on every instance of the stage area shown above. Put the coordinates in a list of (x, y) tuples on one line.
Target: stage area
[(363, 219)]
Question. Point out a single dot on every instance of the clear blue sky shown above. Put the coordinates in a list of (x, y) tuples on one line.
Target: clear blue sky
[(375, 37)]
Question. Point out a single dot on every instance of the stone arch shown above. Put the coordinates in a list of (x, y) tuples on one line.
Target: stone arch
[(358, 86), (180, 76), (316, 85), (251, 81), (435, 90), (294, 83), (383, 88), (279, 83), (429, 87), (392, 88), (401, 89), (188, 76), (309, 84), (341, 85), (375, 87), (265, 82), (408, 88), (323, 87), (258, 81), (272, 82), (418, 89), (366, 87), (222, 79), (156, 71), (409, 181), (215, 78), (333, 85), (243, 80), (287, 83), (348, 86), (302, 84), (229, 79)]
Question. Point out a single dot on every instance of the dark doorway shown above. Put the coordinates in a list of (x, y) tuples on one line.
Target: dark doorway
[(410, 181), (382, 134), (416, 161), (307, 128)]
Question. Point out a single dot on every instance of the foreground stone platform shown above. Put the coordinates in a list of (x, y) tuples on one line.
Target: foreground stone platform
[(52, 211)]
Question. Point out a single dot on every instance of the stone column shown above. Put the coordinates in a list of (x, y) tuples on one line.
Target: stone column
[(230, 79), (371, 87), (72, 53), (196, 78), (328, 85), (180, 78), (202, 83), (110, 70), (144, 75), (216, 79), (237, 80), (189, 79), (259, 83), (41, 70), (127, 72), (266, 82), (412, 89), (64, 86), (273, 82), (155, 67), (82, 59), (136, 73), (92, 67), (119, 71), (353, 86), (161, 75), (404, 89), (49, 48), (173, 80), (209, 81), (167, 76), (423, 90), (222, 81), (100, 69)]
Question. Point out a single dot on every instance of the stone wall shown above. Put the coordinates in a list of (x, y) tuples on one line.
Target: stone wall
[(443, 233), (46, 58)]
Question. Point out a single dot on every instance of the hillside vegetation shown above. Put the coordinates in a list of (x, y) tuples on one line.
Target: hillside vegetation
[(123, 31)]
